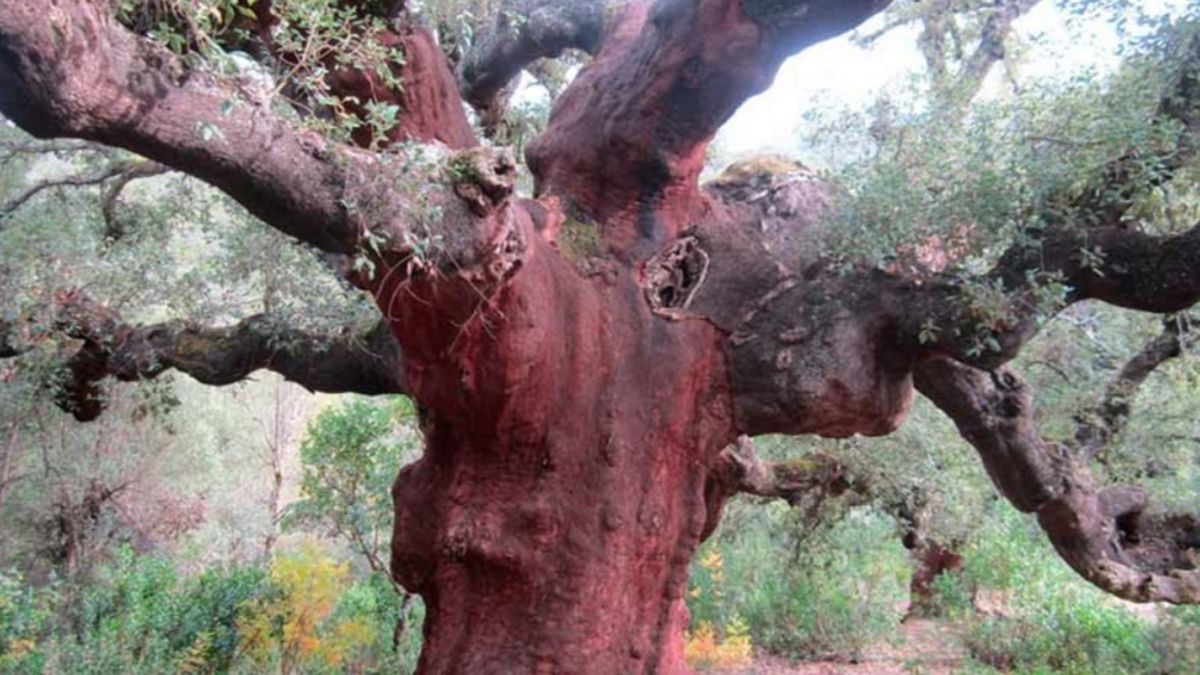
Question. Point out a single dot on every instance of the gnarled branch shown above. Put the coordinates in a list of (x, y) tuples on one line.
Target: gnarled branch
[(122, 90), (420, 212), (522, 32), (365, 362), (126, 91), (1108, 535)]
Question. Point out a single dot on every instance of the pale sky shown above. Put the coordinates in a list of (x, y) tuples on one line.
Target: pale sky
[(840, 72)]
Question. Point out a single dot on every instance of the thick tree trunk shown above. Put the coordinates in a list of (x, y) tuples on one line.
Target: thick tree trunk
[(550, 524)]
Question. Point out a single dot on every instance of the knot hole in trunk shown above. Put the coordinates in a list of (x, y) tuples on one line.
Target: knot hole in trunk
[(673, 276)]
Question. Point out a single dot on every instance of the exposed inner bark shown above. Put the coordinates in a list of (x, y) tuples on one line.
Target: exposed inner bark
[(430, 107), (625, 144), (570, 433)]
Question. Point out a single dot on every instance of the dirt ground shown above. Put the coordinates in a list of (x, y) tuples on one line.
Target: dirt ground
[(928, 647)]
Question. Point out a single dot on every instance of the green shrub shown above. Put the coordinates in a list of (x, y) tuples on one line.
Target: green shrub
[(140, 615), (1177, 640), (837, 590), (1046, 618), (1068, 637), (25, 612)]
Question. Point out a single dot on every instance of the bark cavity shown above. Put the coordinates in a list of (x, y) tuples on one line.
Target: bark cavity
[(673, 276)]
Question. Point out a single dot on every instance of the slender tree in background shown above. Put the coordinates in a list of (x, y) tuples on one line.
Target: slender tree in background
[(584, 359), (279, 425)]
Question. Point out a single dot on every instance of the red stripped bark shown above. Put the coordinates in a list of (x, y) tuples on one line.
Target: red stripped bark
[(625, 143)]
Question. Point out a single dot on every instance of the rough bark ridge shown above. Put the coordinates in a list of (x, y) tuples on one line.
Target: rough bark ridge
[(582, 359), (569, 436)]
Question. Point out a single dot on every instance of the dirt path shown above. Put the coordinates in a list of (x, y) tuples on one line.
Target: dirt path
[(928, 647)]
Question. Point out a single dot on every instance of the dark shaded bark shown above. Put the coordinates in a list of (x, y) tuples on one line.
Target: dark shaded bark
[(366, 363), (1110, 536), (522, 32)]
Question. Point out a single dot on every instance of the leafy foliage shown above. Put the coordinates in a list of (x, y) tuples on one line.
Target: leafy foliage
[(803, 604), (140, 615), (930, 188), (350, 458)]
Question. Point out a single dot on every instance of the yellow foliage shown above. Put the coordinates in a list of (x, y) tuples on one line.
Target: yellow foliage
[(310, 584), (714, 564), (347, 637), (704, 651), (20, 647), (195, 660)]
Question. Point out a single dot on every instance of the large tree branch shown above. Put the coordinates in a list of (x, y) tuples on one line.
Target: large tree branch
[(1135, 270), (522, 32), (1108, 535), (1083, 243), (366, 362), (69, 70), (799, 330), (436, 232), (1099, 425), (625, 143)]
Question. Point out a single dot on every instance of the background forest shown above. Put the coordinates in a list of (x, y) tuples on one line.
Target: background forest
[(245, 529)]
